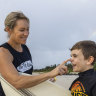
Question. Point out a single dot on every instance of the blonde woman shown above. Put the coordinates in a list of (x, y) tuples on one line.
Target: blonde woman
[(15, 56)]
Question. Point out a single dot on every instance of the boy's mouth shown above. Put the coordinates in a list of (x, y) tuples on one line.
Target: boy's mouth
[(74, 65)]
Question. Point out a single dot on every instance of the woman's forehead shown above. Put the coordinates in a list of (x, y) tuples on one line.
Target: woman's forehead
[(22, 23)]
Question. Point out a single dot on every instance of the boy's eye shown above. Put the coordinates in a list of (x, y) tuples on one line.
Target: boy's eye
[(75, 55)]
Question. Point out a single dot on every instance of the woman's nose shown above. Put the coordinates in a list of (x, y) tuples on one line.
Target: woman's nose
[(26, 33), (71, 59)]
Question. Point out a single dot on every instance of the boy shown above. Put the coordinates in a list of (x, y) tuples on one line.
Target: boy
[(83, 57)]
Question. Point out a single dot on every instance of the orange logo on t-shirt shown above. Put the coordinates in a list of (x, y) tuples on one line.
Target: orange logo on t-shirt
[(78, 89)]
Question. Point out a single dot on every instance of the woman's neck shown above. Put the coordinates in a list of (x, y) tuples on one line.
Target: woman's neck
[(15, 45)]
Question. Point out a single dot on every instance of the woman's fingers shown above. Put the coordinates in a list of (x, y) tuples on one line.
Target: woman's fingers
[(64, 62), (62, 70)]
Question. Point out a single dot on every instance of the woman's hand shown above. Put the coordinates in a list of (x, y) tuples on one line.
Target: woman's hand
[(59, 70)]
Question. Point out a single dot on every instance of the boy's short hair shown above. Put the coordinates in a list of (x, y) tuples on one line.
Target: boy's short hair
[(88, 48)]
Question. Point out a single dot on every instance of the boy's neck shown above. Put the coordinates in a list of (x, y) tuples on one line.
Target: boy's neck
[(86, 73), (87, 68)]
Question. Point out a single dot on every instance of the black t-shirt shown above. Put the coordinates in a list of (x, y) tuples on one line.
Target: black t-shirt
[(85, 84), (21, 60)]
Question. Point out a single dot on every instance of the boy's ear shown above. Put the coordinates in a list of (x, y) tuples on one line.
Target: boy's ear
[(90, 60)]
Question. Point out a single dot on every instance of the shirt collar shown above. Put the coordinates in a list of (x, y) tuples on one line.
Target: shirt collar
[(86, 73)]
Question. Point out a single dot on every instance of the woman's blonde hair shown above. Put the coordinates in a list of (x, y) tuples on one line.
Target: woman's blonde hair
[(12, 17)]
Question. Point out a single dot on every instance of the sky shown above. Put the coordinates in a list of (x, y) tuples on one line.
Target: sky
[(55, 26)]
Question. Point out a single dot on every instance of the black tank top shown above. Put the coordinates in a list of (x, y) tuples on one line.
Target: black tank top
[(21, 60)]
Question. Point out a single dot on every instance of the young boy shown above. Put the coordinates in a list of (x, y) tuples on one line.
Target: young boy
[(83, 57)]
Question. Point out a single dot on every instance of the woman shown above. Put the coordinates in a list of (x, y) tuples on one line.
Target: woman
[(15, 56)]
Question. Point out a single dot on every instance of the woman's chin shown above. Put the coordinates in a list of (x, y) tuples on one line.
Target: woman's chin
[(24, 42)]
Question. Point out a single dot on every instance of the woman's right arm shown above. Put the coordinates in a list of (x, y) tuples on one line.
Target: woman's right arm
[(10, 73)]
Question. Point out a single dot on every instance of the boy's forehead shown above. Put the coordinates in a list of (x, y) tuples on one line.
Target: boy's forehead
[(76, 51)]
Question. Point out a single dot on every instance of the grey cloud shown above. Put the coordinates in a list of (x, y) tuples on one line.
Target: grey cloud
[(55, 25)]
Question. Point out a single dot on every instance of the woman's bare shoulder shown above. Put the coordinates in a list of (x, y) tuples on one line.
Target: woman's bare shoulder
[(5, 53)]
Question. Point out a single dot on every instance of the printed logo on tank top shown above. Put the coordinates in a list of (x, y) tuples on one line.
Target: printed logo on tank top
[(27, 65), (78, 89)]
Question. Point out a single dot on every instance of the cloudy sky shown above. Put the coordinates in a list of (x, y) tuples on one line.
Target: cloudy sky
[(55, 25)]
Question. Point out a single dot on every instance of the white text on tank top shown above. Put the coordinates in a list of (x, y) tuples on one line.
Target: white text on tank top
[(27, 65)]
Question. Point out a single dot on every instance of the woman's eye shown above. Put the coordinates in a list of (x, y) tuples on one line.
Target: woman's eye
[(21, 30), (27, 29)]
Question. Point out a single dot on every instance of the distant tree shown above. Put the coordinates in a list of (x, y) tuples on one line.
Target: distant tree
[(69, 66), (51, 67), (95, 66), (46, 69)]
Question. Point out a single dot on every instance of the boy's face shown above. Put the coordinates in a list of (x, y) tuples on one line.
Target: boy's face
[(78, 62)]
